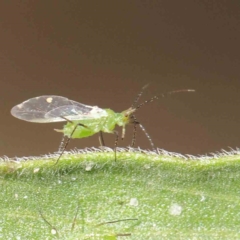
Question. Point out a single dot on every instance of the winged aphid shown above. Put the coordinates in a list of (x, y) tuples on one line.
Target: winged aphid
[(82, 120)]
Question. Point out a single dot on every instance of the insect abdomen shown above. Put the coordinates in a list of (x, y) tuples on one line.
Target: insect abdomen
[(80, 131)]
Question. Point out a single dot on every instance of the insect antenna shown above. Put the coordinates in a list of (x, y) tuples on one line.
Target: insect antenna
[(138, 96), (163, 95), (135, 122)]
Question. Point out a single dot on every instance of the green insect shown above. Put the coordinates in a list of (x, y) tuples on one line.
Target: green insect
[(82, 120)]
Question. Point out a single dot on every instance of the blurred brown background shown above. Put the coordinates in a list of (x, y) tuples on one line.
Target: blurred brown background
[(103, 52)]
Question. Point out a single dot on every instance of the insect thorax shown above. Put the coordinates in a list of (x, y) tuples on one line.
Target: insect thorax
[(89, 127)]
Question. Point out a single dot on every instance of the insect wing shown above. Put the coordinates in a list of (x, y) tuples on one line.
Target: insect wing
[(77, 112), (45, 109)]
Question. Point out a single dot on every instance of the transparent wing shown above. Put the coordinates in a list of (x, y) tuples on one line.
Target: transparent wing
[(49, 108)]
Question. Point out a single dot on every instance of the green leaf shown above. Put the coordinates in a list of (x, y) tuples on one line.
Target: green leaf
[(173, 197)]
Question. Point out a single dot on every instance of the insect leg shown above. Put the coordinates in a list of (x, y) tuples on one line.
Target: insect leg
[(134, 133), (123, 132), (115, 144), (135, 122), (68, 140), (62, 143), (101, 140), (148, 136), (63, 149)]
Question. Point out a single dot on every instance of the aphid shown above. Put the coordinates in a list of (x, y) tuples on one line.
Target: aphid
[(82, 120)]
